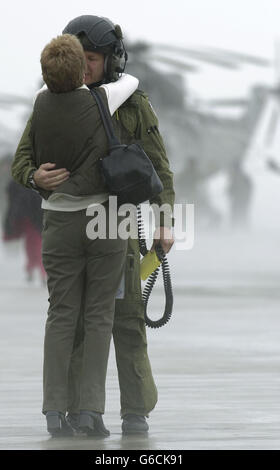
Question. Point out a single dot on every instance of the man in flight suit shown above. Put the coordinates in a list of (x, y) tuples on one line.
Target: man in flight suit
[(134, 121)]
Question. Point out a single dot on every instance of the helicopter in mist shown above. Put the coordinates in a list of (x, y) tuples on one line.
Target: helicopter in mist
[(203, 145), (200, 143)]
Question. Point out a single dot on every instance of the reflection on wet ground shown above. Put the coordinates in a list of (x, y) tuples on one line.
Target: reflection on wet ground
[(216, 363)]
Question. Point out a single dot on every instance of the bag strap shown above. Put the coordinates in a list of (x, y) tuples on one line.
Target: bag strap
[(106, 118)]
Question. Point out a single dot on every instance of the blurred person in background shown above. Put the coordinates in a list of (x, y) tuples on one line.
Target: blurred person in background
[(23, 220), (273, 165), (240, 191), (134, 121)]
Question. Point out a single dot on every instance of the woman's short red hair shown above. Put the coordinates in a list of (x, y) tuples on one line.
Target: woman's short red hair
[(63, 64)]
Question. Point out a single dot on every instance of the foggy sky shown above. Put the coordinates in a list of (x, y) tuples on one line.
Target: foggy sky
[(244, 25)]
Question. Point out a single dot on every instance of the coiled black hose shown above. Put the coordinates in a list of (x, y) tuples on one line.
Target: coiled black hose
[(153, 277)]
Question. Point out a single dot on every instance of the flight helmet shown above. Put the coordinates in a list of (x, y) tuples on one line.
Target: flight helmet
[(99, 34)]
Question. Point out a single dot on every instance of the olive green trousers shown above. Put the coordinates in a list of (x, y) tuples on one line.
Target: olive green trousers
[(138, 393), (81, 273)]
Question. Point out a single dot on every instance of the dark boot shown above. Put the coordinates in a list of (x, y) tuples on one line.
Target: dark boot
[(57, 425), (73, 420), (134, 424), (92, 424)]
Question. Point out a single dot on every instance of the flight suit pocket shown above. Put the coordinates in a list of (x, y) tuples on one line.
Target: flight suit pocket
[(146, 392), (129, 121), (142, 368), (129, 274), (132, 278)]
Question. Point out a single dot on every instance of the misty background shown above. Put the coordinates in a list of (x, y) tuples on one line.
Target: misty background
[(211, 70), (188, 56)]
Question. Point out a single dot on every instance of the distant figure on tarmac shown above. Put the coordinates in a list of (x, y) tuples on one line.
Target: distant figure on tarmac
[(23, 219), (240, 193), (273, 165)]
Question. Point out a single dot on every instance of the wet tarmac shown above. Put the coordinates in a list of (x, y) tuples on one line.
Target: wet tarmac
[(216, 363)]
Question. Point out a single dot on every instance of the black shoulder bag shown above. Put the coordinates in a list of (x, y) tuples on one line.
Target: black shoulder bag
[(128, 172)]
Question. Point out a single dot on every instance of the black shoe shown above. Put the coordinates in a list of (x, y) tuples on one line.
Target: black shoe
[(57, 425), (134, 424), (92, 424)]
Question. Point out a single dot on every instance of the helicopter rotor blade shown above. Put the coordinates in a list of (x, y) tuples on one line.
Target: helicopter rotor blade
[(137, 47), (240, 57), (277, 62), (202, 56), (14, 100), (228, 102), (176, 63), (219, 57)]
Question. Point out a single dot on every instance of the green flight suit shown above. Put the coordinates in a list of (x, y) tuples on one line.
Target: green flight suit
[(134, 121)]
